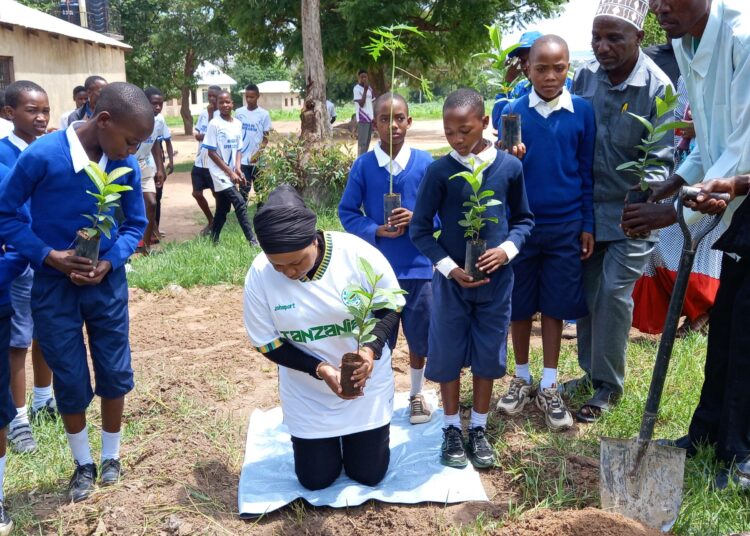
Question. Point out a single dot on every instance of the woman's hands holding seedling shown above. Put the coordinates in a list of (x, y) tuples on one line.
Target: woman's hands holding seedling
[(364, 371), (465, 280), (332, 375), (587, 245)]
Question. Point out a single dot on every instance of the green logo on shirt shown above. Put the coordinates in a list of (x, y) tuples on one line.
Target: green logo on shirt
[(319, 332), (284, 307)]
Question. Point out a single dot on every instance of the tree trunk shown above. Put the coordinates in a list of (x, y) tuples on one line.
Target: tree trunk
[(376, 76), (187, 76), (315, 124)]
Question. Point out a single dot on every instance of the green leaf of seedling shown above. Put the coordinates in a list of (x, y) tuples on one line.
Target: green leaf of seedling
[(627, 165), (493, 203), (91, 218), (116, 188), (367, 339), (493, 219), (643, 121), (485, 193), (464, 223), (117, 173), (111, 198), (91, 231), (468, 203)]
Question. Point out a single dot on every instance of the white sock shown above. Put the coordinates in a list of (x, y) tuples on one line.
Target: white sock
[(417, 380), (41, 395), (452, 420), (22, 417), (2, 477), (79, 446), (549, 378), (522, 371), (111, 445), (478, 419)]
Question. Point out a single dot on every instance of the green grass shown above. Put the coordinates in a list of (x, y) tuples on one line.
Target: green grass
[(200, 262)]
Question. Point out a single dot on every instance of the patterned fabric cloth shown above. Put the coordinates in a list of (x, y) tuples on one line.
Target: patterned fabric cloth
[(653, 291)]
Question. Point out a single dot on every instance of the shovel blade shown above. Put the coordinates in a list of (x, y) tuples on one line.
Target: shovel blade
[(653, 493)]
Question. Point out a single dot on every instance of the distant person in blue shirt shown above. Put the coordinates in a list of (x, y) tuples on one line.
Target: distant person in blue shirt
[(469, 319), (361, 213), (29, 109), (559, 132), (71, 292), (93, 86)]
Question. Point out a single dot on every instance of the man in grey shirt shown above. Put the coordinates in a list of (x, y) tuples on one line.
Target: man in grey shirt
[(622, 78)]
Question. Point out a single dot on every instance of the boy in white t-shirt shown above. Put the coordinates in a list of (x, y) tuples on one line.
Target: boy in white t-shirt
[(148, 154), (222, 143), (256, 124), (200, 176), (363, 110)]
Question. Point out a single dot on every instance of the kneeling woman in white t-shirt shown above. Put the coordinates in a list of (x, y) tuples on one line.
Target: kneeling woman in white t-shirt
[(295, 315)]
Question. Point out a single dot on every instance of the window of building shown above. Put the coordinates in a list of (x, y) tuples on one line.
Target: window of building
[(6, 71), (286, 101), (193, 97), (204, 95)]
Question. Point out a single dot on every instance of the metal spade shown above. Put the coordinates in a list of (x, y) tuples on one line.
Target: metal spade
[(640, 479)]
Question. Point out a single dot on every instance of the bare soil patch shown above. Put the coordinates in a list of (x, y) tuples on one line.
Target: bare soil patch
[(576, 523)]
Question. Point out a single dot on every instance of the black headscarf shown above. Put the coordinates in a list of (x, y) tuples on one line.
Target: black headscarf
[(284, 224)]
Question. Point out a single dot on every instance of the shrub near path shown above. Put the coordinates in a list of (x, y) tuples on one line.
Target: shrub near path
[(198, 380)]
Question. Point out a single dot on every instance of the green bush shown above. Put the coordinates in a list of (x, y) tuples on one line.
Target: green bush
[(319, 174)]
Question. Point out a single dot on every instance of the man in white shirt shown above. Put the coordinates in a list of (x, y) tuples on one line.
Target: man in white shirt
[(363, 111), (711, 39), (256, 125)]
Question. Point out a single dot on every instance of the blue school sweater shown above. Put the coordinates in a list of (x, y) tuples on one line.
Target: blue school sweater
[(12, 264), (440, 196), (361, 209), (558, 165), (44, 174), (9, 153)]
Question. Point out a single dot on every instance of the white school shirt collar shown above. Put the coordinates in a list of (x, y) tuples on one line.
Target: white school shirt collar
[(18, 142), (488, 156), (78, 153), (564, 102), (399, 163)]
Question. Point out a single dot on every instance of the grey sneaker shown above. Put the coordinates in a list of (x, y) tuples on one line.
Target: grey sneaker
[(479, 449), (420, 411), (519, 394), (20, 438), (452, 451), (556, 415)]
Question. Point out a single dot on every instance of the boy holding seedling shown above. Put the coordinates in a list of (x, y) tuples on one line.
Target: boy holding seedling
[(256, 125), (70, 291), (28, 107), (223, 141), (369, 180), (559, 132), (469, 319)]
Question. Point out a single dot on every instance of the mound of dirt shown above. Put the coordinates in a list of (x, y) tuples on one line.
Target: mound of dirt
[(576, 523)]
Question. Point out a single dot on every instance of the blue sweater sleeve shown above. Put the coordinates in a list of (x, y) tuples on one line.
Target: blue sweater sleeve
[(586, 166), (15, 190), (350, 208), (422, 228), (12, 264), (130, 231), (520, 218)]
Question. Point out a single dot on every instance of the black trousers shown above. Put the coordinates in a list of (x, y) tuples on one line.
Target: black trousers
[(364, 457), (250, 171), (722, 417), (159, 194), (225, 200)]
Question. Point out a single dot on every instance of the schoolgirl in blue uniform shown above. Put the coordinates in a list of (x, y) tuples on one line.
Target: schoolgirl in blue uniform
[(69, 291)]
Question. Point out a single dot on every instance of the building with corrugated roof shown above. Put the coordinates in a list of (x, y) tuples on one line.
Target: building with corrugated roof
[(55, 54)]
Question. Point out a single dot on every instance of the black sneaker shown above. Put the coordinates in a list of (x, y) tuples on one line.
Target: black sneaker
[(47, 412), (111, 472), (480, 451), (82, 482), (452, 451), (6, 523)]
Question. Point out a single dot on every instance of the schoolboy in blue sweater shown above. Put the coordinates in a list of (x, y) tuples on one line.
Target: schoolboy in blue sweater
[(361, 213), (70, 291), (559, 133), (469, 320), (28, 107), (11, 266)]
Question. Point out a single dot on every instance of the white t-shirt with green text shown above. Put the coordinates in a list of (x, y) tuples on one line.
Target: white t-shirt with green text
[(311, 315)]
